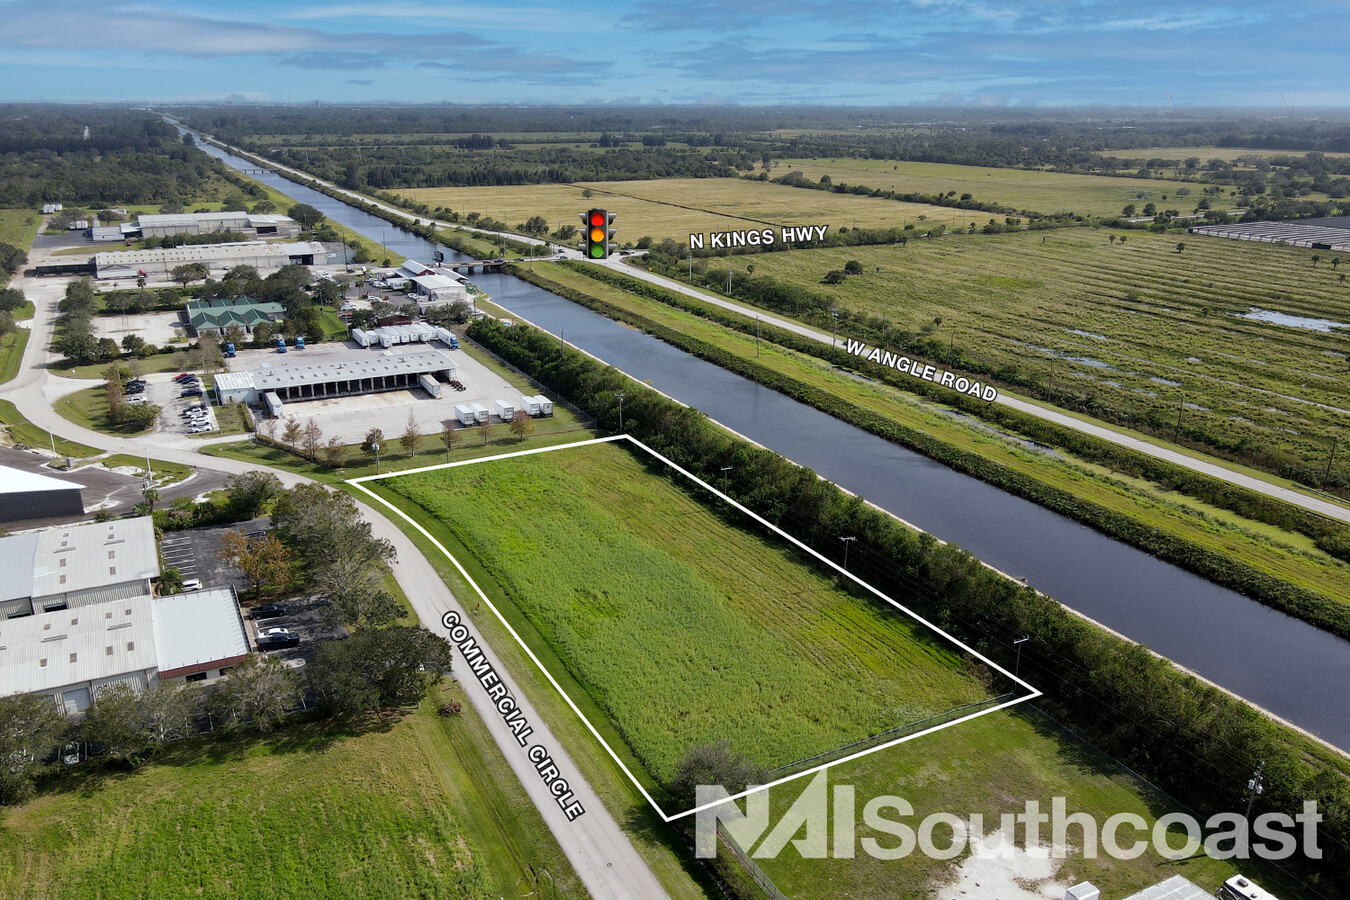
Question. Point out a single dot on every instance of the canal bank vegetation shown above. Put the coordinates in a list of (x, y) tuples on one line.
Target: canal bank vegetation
[(1227, 534), (1191, 739)]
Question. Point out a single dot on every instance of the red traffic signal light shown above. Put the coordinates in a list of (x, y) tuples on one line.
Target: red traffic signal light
[(598, 233)]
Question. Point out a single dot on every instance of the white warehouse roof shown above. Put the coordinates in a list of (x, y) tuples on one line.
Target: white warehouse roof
[(375, 365), (17, 481), (77, 558), (195, 629)]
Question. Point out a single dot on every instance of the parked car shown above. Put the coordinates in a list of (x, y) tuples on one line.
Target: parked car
[(192, 392), (200, 429), (136, 400), (277, 639), (192, 584), (183, 376), (134, 389), (269, 611)]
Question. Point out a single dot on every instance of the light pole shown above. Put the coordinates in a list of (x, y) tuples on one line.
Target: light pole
[(620, 396), (756, 335), (691, 266), (729, 271), (725, 470), (847, 540), (1018, 644), (834, 325), (376, 447), (1256, 785)]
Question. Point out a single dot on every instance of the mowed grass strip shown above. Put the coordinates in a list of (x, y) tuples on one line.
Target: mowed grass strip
[(684, 629), (1024, 189), (426, 808), (677, 207)]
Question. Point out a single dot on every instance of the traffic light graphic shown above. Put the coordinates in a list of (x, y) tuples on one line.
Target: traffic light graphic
[(598, 232)]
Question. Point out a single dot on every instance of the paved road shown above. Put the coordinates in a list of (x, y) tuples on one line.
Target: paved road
[(1325, 507), (603, 856)]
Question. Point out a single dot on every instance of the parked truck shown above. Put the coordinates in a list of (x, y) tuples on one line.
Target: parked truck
[(505, 410), (529, 404), (299, 342), (464, 414), (281, 344), (229, 351), (481, 414)]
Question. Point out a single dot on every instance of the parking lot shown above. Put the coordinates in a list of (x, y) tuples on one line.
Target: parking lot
[(304, 618), (350, 418), (194, 553), (163, 391)]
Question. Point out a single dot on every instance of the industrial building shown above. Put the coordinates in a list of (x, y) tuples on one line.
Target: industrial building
[(76, 566), (72, 654), (1294, 234), (437, 289), (285, 382), (212, 317), (249, 224), (28, 495), (263, 256)]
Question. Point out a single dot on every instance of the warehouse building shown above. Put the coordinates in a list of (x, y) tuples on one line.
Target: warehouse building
[(28, 495), (389, 370), (72, 655), (437, 289), (219, 258), (250, 224), (212, 317), (77, 565)]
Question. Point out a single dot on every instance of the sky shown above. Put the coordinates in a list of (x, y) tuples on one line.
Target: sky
[(958, 53)]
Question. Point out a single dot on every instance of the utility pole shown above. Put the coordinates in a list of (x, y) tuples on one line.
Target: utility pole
[(376, 447), (620, 396), (757, 351), (561, 332), (725, 470), (1255, 786), (1181, 404), (691, 266), (1334, 439), (847, 540), (729, 271), (834, 324), (1017, 668)]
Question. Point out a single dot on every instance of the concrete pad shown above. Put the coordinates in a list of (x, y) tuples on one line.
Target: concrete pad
[(156, 328)]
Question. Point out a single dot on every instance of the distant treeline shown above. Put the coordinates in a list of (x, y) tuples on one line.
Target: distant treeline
[(101, 157)]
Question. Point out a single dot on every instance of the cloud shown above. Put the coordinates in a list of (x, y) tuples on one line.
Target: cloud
[(363, 82)]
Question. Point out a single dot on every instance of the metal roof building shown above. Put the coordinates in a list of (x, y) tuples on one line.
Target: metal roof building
[(76, 566), (28, 495), (1175, 888), (263, 256), (214, 316), (388, 370), (72, 654), (435, 288), (251, 224)]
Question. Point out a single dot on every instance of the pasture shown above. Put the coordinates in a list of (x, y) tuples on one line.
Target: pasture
[(426, 807), (682, 628), (1043, 192), (676, 207), (1137, 326)]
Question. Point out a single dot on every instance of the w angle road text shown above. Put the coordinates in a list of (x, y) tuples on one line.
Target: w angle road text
[(764, 237), (986, 392), (510, 712)]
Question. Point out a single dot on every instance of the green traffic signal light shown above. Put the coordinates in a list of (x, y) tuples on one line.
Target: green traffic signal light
[(598, 232)]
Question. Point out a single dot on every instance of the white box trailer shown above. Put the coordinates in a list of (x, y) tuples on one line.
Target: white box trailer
[(545, 405), (481, 414), (361, 337), (505, 411), (430, 385), (529, 404), (464, 414)]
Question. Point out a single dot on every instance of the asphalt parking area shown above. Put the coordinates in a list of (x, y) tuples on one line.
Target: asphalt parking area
[(305, 619), (195, 554)]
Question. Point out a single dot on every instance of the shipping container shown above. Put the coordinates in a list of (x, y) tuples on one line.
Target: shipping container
[(505, 410), (464, 414), (545, 405), (529, 404), (481, 413), (430, 385)]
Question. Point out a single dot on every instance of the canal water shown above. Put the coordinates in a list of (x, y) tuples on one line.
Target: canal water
[(1287, 666)]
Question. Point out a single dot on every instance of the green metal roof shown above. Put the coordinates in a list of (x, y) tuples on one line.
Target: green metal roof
[(221, 314)]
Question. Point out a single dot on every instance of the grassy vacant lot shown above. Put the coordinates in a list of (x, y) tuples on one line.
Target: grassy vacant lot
[(11, 353), (1043, 192), (427, 808), (89, 408), (164, 471), (1138, 327), (16, 229), (686, 630), (21, 431), (1291, 557), (677, 207), (991, 766)]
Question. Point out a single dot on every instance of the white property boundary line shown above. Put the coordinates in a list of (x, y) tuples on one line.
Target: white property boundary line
[(359, 484)]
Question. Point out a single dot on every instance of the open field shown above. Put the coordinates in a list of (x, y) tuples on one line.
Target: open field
[(1227, 154), (628, 577), (1003, 759), (21, 431), (11, 353), (1135, 329), (1288, 556), (426, 808), (676, 207), (88, 407), (16, 229), (1043, 192)]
